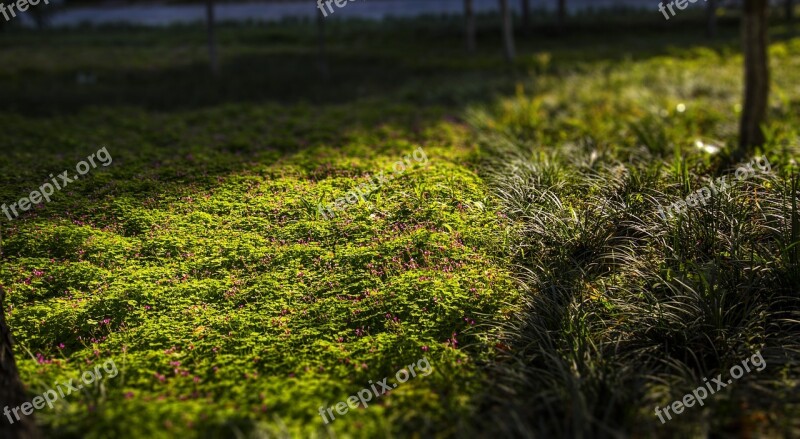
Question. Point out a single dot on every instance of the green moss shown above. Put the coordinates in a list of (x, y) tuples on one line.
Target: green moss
[(215, 258), (201, 243)]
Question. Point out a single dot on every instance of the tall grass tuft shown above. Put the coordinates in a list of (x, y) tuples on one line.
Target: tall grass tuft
[(625, 311)]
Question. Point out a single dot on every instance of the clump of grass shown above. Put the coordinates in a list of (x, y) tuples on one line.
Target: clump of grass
[(624, 310)]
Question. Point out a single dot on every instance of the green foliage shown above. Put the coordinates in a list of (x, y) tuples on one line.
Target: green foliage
[(199, 263), (623, 310)]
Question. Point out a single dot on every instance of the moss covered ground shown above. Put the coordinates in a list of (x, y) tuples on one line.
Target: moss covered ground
[(198, 260)]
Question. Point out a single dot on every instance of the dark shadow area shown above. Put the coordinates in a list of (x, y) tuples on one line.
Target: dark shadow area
[(264, 64)]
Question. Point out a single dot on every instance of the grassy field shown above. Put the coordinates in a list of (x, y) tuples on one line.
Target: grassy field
[(525, 259)]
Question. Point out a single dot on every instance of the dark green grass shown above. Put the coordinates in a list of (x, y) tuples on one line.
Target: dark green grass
[(625, 311)]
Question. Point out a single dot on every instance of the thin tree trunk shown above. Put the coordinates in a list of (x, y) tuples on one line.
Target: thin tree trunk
[(469, 18), (790, 11), (212, 40), (322, 61), (40, 17), (711, 18), (562, 14), (526, 15), (508, 30), (12, 393), (756, 75)]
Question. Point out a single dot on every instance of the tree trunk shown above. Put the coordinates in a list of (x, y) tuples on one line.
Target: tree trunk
[(212, 40), (756, 75), (40, 17), (711, 18), (322, 61), (562, 15), (790, 11), (508, 30), (469, 17), (525, 8), (12, 393)]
